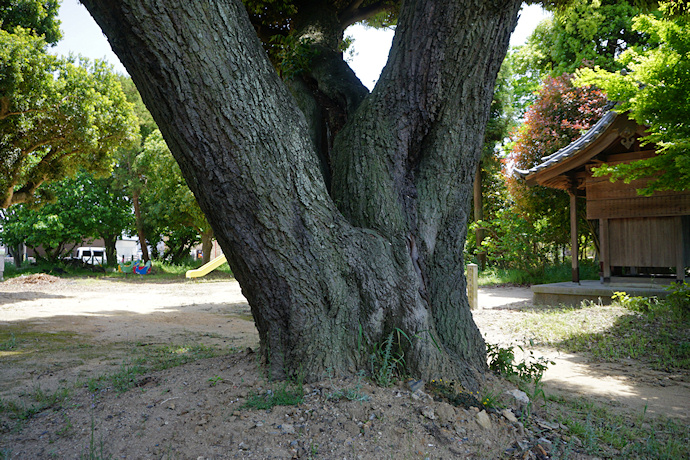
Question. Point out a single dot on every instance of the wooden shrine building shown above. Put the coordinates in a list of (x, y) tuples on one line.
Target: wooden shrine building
[(637, 234)]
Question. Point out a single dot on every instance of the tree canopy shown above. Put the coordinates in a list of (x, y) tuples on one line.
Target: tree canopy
[(655, 90), (582, 33), (40, 17), (56, 115), (83, 207)]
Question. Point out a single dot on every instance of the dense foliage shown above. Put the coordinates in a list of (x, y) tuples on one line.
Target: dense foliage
[(41, 17), (534, 228), (656, 91), (581, 34), (57, 116), (84, 207), (170, 211)]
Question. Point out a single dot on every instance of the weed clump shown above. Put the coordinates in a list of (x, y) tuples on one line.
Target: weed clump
[(454, 393)]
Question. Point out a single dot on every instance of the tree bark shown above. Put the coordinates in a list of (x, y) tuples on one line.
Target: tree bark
[(328, 276), (206, 245), (110, 241)]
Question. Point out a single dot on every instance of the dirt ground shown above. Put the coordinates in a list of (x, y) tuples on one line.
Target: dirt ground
[(94, 327), (626, 385)]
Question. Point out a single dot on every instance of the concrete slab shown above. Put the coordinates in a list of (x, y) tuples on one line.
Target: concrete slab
[(569, 293)]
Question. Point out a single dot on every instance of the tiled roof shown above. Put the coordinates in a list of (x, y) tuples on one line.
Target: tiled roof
[(574, 147)]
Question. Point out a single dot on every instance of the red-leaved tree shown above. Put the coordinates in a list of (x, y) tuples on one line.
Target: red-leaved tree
[(560, 114)]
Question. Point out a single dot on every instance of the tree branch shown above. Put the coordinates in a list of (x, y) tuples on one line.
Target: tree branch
[(25, 193), (352, 7), (353, 13)]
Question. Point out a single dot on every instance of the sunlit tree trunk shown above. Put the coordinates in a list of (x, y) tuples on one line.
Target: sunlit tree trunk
[(331, 264)]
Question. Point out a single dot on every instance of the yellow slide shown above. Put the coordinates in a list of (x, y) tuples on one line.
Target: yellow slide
[(206, 268)]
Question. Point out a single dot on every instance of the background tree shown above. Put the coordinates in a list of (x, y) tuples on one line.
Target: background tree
[(583, 33), (129, 173), (489, 188), (587, 33), (83, 207), (38, 16), (49, 228), (655, 90), (561, 113), (169, 207), (56, 116), (102, 207)]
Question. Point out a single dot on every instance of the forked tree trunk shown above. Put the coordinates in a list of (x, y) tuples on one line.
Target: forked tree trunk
[(328, 275)]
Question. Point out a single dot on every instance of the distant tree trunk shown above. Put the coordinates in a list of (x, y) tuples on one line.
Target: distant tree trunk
[(140, 226), (206, 245), (110, 251), (330, 273), (17, 255)]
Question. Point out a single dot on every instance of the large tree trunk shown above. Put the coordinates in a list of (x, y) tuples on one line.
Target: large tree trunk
[(328, 275)]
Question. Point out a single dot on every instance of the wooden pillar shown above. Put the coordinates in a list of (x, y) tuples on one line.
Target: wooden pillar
[(472, 286), (604, 249), (574, 250)]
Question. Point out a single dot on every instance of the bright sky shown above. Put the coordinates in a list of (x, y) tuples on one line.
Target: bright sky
[(82, 36)]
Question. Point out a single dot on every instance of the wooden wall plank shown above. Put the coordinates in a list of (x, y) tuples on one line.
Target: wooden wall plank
[(645, 242), (678, 205)]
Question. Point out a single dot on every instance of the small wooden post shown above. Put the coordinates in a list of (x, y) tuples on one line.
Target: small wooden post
[(574, 250), (472, 286)]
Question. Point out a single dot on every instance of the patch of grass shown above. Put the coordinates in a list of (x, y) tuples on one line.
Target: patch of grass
[(9, 344), (151, 358), (387, 359), (607, 434), (161, 271), (661, 343), (60, 269), (656, 336), (28, 405), (492, 276), (121, 381), (543, 325), (167, 356), (287, 394), (96, 451), (17, 340)]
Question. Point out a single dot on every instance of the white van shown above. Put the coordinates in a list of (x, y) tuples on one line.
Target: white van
[(92, 255)]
